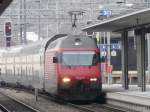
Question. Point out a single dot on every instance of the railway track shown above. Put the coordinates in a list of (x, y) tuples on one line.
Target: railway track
[(91, 107), (8, 104), (3, 109), (94, 107)]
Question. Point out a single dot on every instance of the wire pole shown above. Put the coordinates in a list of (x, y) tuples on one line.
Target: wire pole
[(108, 55), (148, 44), (39, 21), (20, 22), (25, 24), (108, 58), (57, 16)]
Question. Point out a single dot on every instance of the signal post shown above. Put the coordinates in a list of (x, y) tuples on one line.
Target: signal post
[(8, 33)]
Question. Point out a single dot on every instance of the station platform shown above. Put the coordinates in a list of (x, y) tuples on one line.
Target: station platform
[(133, 98)]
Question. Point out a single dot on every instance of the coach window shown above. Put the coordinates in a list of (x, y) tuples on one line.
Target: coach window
[(59, 57), (11, 72), (29, 72), (23, 73), (18, 71)]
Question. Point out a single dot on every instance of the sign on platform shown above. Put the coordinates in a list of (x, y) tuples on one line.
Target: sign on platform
[(103, 53), (113, 53), (105, 13)]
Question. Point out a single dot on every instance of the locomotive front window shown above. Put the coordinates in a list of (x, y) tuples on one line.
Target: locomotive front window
[(79, 58)]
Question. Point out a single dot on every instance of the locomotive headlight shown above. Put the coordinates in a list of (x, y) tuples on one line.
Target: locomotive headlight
[(93, 79), (66, 80), (77, 42)]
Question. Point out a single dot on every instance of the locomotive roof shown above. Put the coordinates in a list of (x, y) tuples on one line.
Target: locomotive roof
[(75, 41)]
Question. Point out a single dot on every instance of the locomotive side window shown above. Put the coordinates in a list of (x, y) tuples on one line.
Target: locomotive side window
[(57, 58), (79, 58)]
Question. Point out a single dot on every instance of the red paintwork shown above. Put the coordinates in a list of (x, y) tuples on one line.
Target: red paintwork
[(83, 73), (73, 49), (76, 72)]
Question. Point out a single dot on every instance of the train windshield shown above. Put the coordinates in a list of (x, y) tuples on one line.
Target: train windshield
[(79, 58)]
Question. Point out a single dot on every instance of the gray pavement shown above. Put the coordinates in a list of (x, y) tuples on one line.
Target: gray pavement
[(133, 95)]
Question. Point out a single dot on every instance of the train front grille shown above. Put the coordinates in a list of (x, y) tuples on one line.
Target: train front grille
[(81, 86)]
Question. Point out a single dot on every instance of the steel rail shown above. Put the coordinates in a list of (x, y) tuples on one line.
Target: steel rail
[(3, 108), (22, 103), (99, 107)]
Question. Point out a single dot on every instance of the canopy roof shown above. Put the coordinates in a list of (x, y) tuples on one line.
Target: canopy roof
[(4, 4), (132, 20)]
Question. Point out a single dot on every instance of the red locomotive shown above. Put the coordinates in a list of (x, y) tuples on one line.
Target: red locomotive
[(67, 66)]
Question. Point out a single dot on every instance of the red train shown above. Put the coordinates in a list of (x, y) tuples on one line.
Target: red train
[(67, 66)]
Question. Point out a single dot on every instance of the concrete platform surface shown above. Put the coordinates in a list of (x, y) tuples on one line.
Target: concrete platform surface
[(132, 95)]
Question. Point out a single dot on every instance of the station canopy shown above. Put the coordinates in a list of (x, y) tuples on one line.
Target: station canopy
[(4, 4), (128, 21)]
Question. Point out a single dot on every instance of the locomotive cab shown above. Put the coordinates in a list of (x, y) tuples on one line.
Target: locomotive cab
[(72, 68)]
